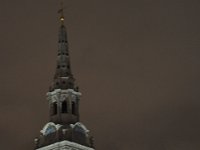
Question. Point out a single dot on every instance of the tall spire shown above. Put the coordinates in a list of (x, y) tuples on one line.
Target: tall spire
[(63, 78), (63, 131)]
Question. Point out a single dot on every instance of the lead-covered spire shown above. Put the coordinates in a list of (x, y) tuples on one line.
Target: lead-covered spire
[(63, 78)]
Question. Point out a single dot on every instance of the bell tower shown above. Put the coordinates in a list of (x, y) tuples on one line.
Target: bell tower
[(64, 130)]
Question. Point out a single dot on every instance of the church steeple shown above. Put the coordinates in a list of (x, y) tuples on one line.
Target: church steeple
[(64, 110), (63, 131), (63, 78)]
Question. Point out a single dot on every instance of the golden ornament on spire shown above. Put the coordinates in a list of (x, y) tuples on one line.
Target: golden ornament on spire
[(61, 11)]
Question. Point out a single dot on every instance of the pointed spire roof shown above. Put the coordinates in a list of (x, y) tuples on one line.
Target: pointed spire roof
[(63, 78)]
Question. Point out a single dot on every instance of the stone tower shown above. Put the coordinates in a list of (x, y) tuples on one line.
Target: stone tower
[(63, 131)]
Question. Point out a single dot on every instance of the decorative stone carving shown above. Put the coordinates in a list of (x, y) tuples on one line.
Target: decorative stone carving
[(49, 128)]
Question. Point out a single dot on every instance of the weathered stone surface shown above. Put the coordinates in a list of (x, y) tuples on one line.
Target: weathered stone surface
[(65, 145)]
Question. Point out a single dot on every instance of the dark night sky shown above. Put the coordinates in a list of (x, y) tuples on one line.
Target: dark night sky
[(137, 63)]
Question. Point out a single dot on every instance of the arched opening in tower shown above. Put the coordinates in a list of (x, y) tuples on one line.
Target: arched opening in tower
[(64, 107)]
